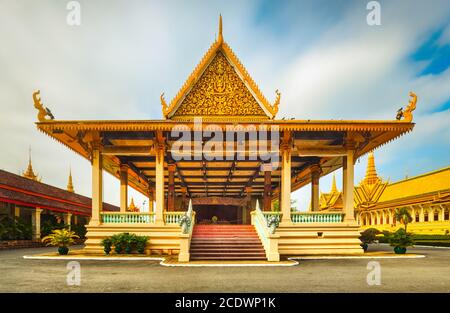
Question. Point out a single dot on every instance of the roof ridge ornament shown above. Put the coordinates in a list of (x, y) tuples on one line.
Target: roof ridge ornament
[(43, 112), (220, 37), (407, 114)]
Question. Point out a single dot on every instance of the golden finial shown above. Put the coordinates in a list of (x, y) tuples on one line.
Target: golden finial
[(407, 114), (70, 183), (371, 172), (276, 104), (29, 173), (333, 185), (132, 207), (220, 39)]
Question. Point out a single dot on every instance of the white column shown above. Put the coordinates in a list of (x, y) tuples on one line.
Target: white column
[(159, 215), (348, 181), (442, 213), (36, 223), (286, 184), (97, 186), (421, 215), (123, 188)]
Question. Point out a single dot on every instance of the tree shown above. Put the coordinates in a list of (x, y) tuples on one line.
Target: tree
[(403, 216)]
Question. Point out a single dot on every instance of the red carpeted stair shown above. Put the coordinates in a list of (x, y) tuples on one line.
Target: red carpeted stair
[(226, 242)]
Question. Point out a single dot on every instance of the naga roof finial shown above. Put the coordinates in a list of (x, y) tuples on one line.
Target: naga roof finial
[(165, 107), (220, 38), (43, 113)]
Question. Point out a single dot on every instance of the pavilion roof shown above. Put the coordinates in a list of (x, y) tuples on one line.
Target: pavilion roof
[(27, 192)]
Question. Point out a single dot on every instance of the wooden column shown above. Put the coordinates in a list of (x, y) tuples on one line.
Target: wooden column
[(171, 188), (184, 205), (97, 185), (285, 191), (159, 168), (123, 187), (348, 181), (36, 223), (267, 199), (315, 176)]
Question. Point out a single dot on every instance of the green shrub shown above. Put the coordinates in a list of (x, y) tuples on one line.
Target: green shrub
[(14, 229), (401, 239), (127, 243)]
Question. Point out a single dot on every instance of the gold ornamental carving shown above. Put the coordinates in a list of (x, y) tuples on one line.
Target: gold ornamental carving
[(220, 91)]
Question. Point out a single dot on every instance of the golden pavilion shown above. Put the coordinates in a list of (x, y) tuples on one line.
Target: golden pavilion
[(226, 193), (426, 196)]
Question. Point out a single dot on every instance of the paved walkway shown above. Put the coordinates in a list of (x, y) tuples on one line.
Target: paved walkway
[(430, 274)]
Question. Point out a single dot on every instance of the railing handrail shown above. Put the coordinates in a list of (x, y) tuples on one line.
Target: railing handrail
[(317, 217), (131, 213), (313, 213)]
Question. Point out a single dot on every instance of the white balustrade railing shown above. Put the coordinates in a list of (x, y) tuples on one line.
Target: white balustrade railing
[(268, 239), (316, 217), (173, 217), (128, 217)]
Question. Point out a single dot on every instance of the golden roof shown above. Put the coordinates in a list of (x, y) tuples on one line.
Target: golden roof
[(220, 86), (435, 181)]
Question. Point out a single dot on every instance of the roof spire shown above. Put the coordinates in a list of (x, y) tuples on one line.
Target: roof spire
[(29, 173), (220, 38), (371, 172), (69, 183), (333, 185)]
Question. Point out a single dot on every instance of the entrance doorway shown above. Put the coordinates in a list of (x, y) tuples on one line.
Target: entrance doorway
[(225, 214)]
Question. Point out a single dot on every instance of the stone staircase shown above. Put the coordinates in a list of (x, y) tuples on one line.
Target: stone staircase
[(226, 242)]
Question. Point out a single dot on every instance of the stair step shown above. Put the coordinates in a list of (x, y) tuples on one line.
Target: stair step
[(226, 242)]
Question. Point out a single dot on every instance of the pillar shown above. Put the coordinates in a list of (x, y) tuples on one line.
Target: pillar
[(421, 215), (36, 223), (159, 181), (315, 176), (442, 213), (171, 188), (123, 188), (413, 214), (16, 211), (267, 201), (430, 214), (348, 181), (97, 185), (285, 197), (68, 219)]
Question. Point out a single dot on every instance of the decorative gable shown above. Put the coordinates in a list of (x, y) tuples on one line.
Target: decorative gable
[(218, 92), (220, 87)]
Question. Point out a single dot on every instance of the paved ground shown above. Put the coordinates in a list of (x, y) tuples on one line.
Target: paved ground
[(430, 274)]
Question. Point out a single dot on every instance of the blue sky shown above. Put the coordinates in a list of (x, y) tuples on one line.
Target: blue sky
[(323, 57)]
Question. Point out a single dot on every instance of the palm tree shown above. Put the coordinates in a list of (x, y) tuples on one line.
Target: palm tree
[(403, 216)]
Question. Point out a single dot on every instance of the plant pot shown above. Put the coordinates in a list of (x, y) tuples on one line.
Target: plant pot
[(118, 249), (399, 250), (107, 250), (63, 250), (128, 250), (365, 246)]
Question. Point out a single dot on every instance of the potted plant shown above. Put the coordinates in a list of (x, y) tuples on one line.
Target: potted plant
[(117, 242), (141, 244), (401, 240), (130, 241), (367, 237), (107, 244), (61, 238)]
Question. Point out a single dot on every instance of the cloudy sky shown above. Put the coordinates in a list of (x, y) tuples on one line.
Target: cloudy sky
[(322, 55)]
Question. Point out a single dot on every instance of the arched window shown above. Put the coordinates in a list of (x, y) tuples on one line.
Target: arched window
[(425, 217), (436, 215), (417, 217), (446, 215)]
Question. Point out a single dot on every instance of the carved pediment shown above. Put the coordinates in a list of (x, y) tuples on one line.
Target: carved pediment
[(219, 91)]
